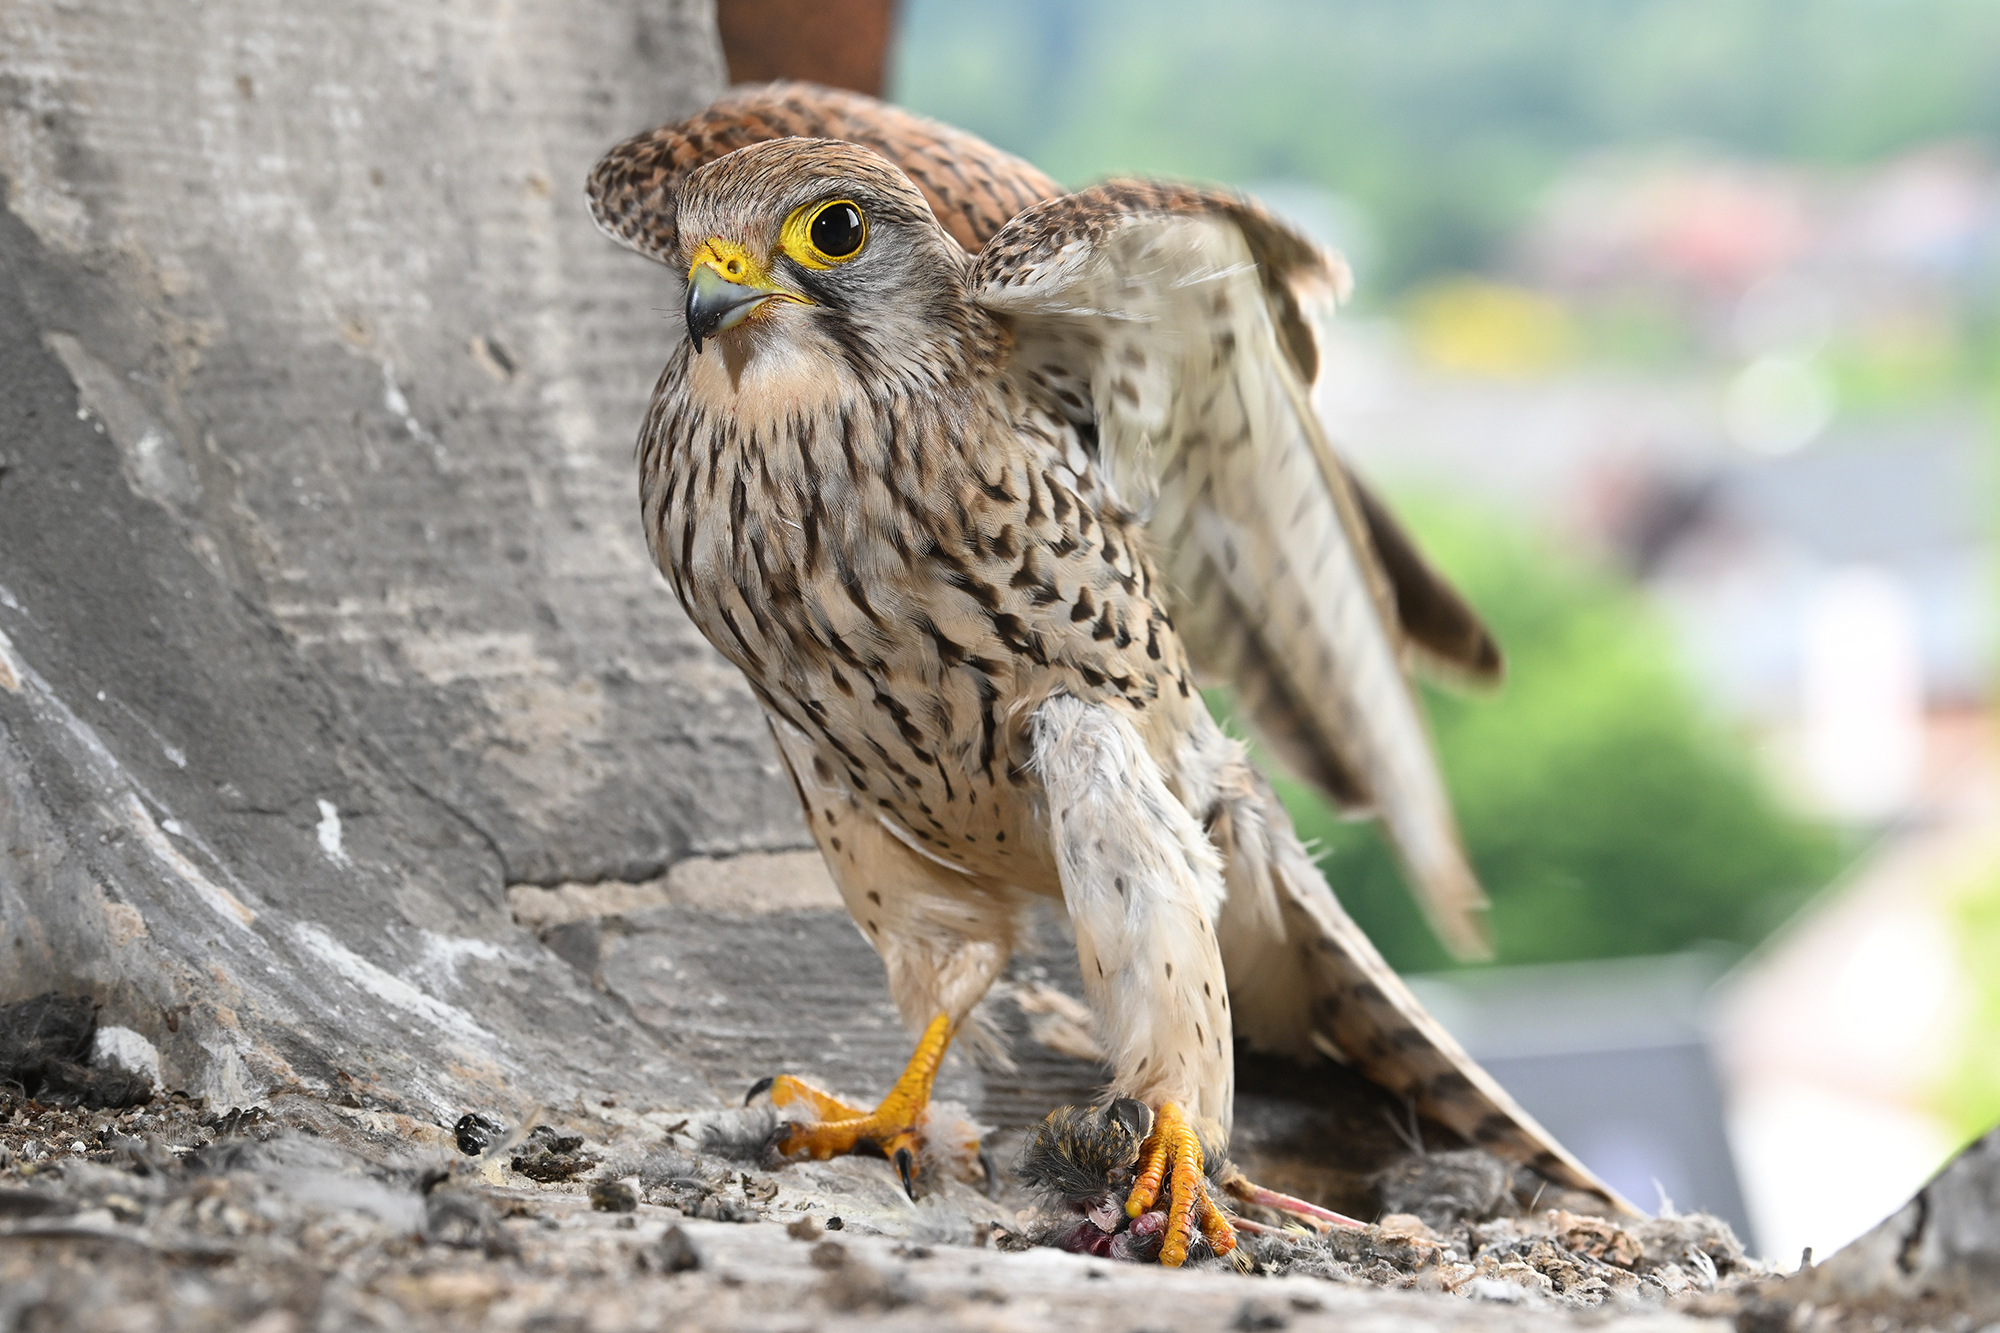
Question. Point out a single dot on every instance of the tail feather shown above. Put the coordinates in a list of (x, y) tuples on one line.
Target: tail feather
[(1303, 976)]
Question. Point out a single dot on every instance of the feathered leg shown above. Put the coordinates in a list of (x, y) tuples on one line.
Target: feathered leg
[(1143, 886), (942, 935)]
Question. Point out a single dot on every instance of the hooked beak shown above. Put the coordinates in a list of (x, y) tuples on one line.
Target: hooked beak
[(724, 288), (715, 303)]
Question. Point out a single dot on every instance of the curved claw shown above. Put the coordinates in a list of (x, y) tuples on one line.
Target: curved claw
[(895, 1128), (761, 1085), (772, 1155), (1170, 1158)]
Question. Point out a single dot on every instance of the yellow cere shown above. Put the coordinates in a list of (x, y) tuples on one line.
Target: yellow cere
[(797, 237), (732, 261)]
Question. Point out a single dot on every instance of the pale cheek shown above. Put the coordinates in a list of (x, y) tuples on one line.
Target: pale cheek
[(768, 371)]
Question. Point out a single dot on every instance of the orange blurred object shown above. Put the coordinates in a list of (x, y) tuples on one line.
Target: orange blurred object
[(841, 43)]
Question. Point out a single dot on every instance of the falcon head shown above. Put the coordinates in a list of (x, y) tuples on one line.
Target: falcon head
[(795, 245)]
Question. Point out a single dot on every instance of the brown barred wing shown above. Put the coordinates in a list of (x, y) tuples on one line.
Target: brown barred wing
[(1359, 1004), (972, 187), (1167, 310), (975, 189)]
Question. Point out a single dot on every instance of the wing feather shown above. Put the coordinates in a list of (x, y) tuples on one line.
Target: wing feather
[(1447, 634), (976, 190), (1166, 295)]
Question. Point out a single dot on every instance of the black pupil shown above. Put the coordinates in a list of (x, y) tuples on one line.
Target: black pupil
[(836, 230)]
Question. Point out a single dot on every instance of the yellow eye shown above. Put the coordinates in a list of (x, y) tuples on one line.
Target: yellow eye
[(824, 234)]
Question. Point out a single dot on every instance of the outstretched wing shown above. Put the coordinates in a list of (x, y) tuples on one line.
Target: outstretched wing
[(975, 190), (1168, 316)]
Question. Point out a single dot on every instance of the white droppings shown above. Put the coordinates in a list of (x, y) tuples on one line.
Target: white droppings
[(443, 954), (122, 1048), (176, 755), (395, 991), (329, 833), (140, 821), (392, 392), (173, 826), (394, 399), (227, 1081), (120, 791)]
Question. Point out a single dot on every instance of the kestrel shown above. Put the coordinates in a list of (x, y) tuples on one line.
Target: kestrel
[(975, 480)]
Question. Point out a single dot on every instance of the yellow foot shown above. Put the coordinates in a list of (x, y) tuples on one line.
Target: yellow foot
[(1170, 1159), (894, 1129)]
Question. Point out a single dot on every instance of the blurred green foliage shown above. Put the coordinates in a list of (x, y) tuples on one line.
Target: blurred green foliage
[(1442, 119), (1605, 811), (1970, 1099)]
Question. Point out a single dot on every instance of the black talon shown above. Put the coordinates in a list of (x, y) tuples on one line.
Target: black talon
[(992, 1171), (761, 1085), (771, 1156), (906, 1167), (1135, 1115)]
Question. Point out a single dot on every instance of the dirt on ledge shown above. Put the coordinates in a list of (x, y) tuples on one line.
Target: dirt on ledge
[(302, 1213)]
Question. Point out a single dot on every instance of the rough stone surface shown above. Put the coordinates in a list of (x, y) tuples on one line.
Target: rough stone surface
[(1935, 1261), (305, 1214), (324, 614)]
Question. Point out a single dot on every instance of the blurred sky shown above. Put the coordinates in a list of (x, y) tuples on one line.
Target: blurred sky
[(1675, 335)]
